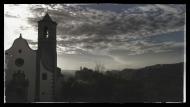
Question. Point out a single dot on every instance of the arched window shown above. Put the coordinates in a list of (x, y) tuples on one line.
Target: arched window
[(44, 76), (19, 51), (46, 33)]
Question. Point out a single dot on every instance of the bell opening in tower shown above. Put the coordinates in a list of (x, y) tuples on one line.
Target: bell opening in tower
[(46, 33)]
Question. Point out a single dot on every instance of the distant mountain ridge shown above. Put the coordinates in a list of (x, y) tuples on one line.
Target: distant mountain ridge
[(160, 81), (127, 73)]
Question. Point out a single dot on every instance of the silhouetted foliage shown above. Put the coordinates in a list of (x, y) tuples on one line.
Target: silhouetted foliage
[(161, 83)]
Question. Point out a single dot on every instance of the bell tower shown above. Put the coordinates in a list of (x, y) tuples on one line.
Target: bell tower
[(47, 42), (46, 53)]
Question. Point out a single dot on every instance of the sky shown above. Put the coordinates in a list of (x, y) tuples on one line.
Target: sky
[(117, 36)]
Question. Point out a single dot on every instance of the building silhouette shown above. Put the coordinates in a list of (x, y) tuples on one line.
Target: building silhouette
[(33, 75)]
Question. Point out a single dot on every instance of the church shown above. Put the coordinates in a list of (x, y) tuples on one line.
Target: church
[(33, 75)]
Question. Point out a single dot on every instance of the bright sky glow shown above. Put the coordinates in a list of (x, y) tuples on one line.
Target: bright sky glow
[(118, 36)]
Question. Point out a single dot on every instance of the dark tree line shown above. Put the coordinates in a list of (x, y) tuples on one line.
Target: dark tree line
[(93, 86), (161, 83)]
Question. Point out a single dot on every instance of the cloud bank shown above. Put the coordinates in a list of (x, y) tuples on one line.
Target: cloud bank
[(84, 29), (102, 29)]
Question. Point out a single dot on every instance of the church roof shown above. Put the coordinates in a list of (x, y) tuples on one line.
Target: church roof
[(18, 42), (47, 18)]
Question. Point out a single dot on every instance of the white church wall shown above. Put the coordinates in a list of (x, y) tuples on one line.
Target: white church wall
[(29, 66)]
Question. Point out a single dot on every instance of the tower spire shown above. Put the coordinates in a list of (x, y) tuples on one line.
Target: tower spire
[(47, 17), (20, 35)]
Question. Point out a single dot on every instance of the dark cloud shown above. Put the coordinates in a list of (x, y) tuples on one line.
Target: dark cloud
[(89, 28)]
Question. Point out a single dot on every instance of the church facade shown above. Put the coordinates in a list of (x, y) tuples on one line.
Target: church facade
[(33, 75)]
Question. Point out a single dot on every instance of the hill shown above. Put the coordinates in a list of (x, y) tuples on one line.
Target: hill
[(161, 82), (157, 83)]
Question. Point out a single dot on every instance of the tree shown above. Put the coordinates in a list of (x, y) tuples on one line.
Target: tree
[(99, 67)]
